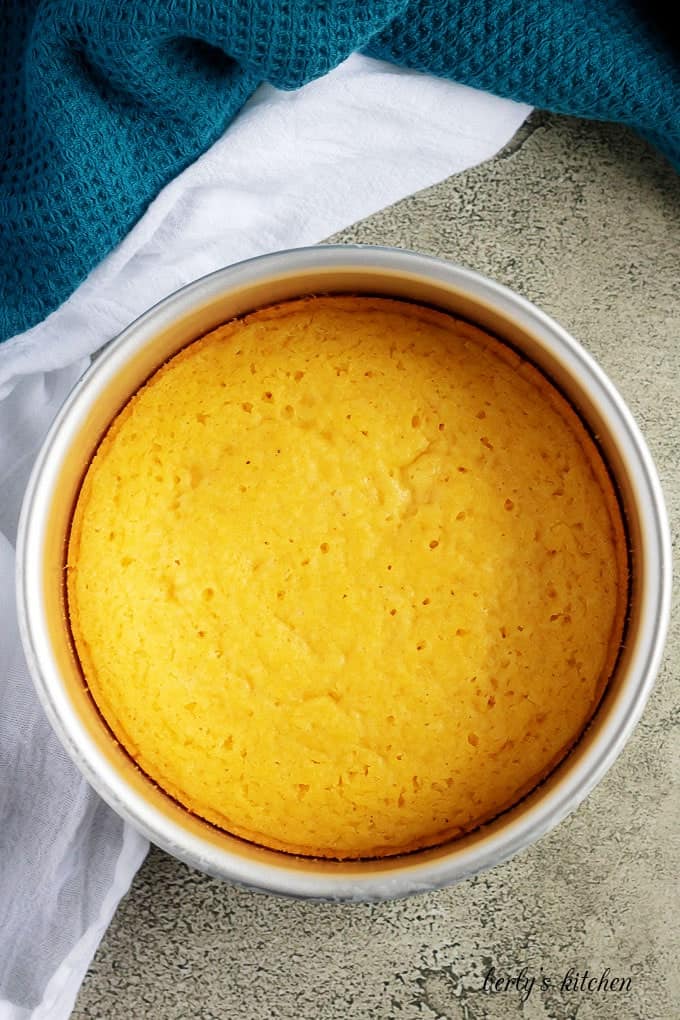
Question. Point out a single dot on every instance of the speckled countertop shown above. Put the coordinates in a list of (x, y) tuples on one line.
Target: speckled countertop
[(584, 220)]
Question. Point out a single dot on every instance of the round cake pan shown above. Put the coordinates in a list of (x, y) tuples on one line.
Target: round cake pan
[(120, 370)]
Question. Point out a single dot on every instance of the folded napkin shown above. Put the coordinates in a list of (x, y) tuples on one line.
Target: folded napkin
[(293, 168), (104, 103)]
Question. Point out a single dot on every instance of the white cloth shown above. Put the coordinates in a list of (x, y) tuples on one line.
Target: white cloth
[(292, 169)]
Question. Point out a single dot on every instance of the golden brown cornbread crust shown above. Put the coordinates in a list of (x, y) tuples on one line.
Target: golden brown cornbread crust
[(188, 618)]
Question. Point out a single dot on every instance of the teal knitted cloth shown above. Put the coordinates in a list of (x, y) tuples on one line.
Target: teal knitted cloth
[(104, 101)]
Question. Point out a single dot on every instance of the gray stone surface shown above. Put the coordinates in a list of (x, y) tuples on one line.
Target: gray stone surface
[(584, 220)]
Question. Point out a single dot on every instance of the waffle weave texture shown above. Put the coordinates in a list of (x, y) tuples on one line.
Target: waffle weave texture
[(102, 103)]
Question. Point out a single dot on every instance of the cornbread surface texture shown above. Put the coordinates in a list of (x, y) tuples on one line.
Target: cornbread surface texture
[(347, 577)]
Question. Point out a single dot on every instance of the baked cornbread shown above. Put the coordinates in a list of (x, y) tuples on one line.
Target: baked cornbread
[(347, 577)]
